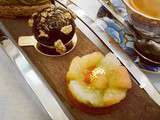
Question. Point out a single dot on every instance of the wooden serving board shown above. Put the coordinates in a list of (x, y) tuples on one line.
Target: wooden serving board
[(136, 106)]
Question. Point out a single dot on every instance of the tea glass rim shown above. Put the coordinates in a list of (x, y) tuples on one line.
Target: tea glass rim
[(138, 12)]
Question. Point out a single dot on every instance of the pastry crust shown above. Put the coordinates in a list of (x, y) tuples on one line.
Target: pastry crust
[(13, 11), (86, 108)]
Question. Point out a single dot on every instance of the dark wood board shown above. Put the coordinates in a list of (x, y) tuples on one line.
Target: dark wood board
[(136, 106)]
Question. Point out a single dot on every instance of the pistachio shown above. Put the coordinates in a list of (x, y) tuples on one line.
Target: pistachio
[(42, 34), (67, 29), (68, 15), (60, 47)]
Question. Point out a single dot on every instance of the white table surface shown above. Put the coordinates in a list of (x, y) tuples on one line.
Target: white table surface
[(17, 101)]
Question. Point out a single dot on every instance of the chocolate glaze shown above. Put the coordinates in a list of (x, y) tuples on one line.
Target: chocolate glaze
[(50, 21)]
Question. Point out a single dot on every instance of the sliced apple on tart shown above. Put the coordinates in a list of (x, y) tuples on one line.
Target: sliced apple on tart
[(98, 81)]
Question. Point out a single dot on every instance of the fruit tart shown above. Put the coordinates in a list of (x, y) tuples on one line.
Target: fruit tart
[(95, 81)]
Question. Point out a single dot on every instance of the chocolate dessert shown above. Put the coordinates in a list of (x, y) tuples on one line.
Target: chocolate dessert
[(52, 24), (53, 28)]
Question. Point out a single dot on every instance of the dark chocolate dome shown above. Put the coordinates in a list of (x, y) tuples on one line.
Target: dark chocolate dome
[(52, 24)]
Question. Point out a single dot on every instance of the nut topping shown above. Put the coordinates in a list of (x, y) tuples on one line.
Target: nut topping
[(68, 15), (42, 34), (60, 47), (67, 29)]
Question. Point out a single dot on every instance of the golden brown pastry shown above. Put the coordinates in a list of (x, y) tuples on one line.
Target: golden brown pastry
[(21, 8), (95, 81)]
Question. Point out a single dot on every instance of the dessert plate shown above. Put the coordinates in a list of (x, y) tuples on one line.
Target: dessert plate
[(108, 24), (51, 52)]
